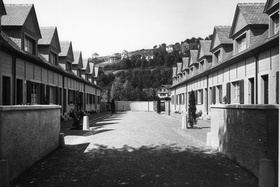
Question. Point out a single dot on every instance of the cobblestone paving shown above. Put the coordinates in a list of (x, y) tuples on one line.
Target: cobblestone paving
[(136, 149)]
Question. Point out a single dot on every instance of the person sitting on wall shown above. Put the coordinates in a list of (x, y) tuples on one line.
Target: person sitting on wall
[(113, 106)]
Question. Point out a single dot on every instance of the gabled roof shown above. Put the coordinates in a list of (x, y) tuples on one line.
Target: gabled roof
[(204, 49), (270, 4), (21, 15), (86, 65), (250, 14), (49, 37), (179, 67), (221, 36), (78, 60), (91, 68), (167, 86), (66, 50), (2, 9), (185, 63), (193, 57)]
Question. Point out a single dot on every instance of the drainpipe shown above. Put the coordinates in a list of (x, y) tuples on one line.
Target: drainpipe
[(256, 76), (207, 95)]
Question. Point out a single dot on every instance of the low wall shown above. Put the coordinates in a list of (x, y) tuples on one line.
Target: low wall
[(246, 133), (130, 105), (27, 134)]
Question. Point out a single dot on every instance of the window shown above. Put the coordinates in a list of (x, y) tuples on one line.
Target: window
[(275, 23), (19, 92), (34, 92), (68, 66), (251, 91), (265, 90), (235, 92), (238, 92), (6, 90), (70, 97), (218, 56), (220, 92), (241, 43), (201, 65), (200, 97), (29, 45), (53, 58)]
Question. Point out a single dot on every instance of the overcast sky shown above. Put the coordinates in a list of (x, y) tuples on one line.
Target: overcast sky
[(111, 26)]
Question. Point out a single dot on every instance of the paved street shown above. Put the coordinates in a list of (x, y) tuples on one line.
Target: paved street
[(135, 149)]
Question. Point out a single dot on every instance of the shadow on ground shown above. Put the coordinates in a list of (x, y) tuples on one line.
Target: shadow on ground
[(165, 165)]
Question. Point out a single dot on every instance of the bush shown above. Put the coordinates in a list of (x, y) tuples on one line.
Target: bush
[(192, 109), (77, 113)]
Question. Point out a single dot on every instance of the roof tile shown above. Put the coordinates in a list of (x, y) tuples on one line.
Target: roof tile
[(16, 14)]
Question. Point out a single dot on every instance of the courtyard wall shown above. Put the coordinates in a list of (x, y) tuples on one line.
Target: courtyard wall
[(27, 134), (246, 133)]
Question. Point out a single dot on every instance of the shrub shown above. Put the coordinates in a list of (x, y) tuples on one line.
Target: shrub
[(192, 109)]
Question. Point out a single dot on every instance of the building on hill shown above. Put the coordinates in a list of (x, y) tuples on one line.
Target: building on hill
[(36, 67), (240, 65)]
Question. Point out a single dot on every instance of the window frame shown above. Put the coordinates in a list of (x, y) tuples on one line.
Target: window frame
[(29, 44)]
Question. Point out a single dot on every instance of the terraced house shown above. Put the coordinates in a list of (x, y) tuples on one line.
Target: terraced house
[(239, 66), (37, 68)]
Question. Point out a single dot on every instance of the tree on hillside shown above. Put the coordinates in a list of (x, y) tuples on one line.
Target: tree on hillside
[(168, 60)]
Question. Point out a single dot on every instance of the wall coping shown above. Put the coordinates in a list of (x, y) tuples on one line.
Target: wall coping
[(28, 107), (246, 106)]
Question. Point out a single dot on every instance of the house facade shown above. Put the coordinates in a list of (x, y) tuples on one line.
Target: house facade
[(36, 67), (239, 66)]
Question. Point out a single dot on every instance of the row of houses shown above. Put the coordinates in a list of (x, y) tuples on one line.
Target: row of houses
[(240, 65), (37, 68)]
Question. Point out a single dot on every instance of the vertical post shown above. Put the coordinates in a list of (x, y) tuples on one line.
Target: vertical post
[(169, 107)]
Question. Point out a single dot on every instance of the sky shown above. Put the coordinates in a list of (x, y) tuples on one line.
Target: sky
[(111, 26)]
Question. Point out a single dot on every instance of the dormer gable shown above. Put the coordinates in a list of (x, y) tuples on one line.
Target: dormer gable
[(248, 14), (179, 68), (204, 49), (86, 69), (23, 16), (271, 6), (185, 63), (193, 58), (220, 37), (2, 9), (66, 51), (21, 25), (248, 25), (78, 60), (48, 45), (50, 38), (272, 10)]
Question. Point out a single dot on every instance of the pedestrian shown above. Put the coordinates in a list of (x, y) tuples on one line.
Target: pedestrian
[(113, 106)]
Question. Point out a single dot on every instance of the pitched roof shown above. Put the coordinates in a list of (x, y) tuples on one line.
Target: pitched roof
[(86, 65), (204, 49), (193, 57), (2, 9), (19, 15), (252, 14), (16, 14), (65, 45), (91, 69), (223, 34), (77, 57), (269, 4), (185, 63), (47, 35)]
